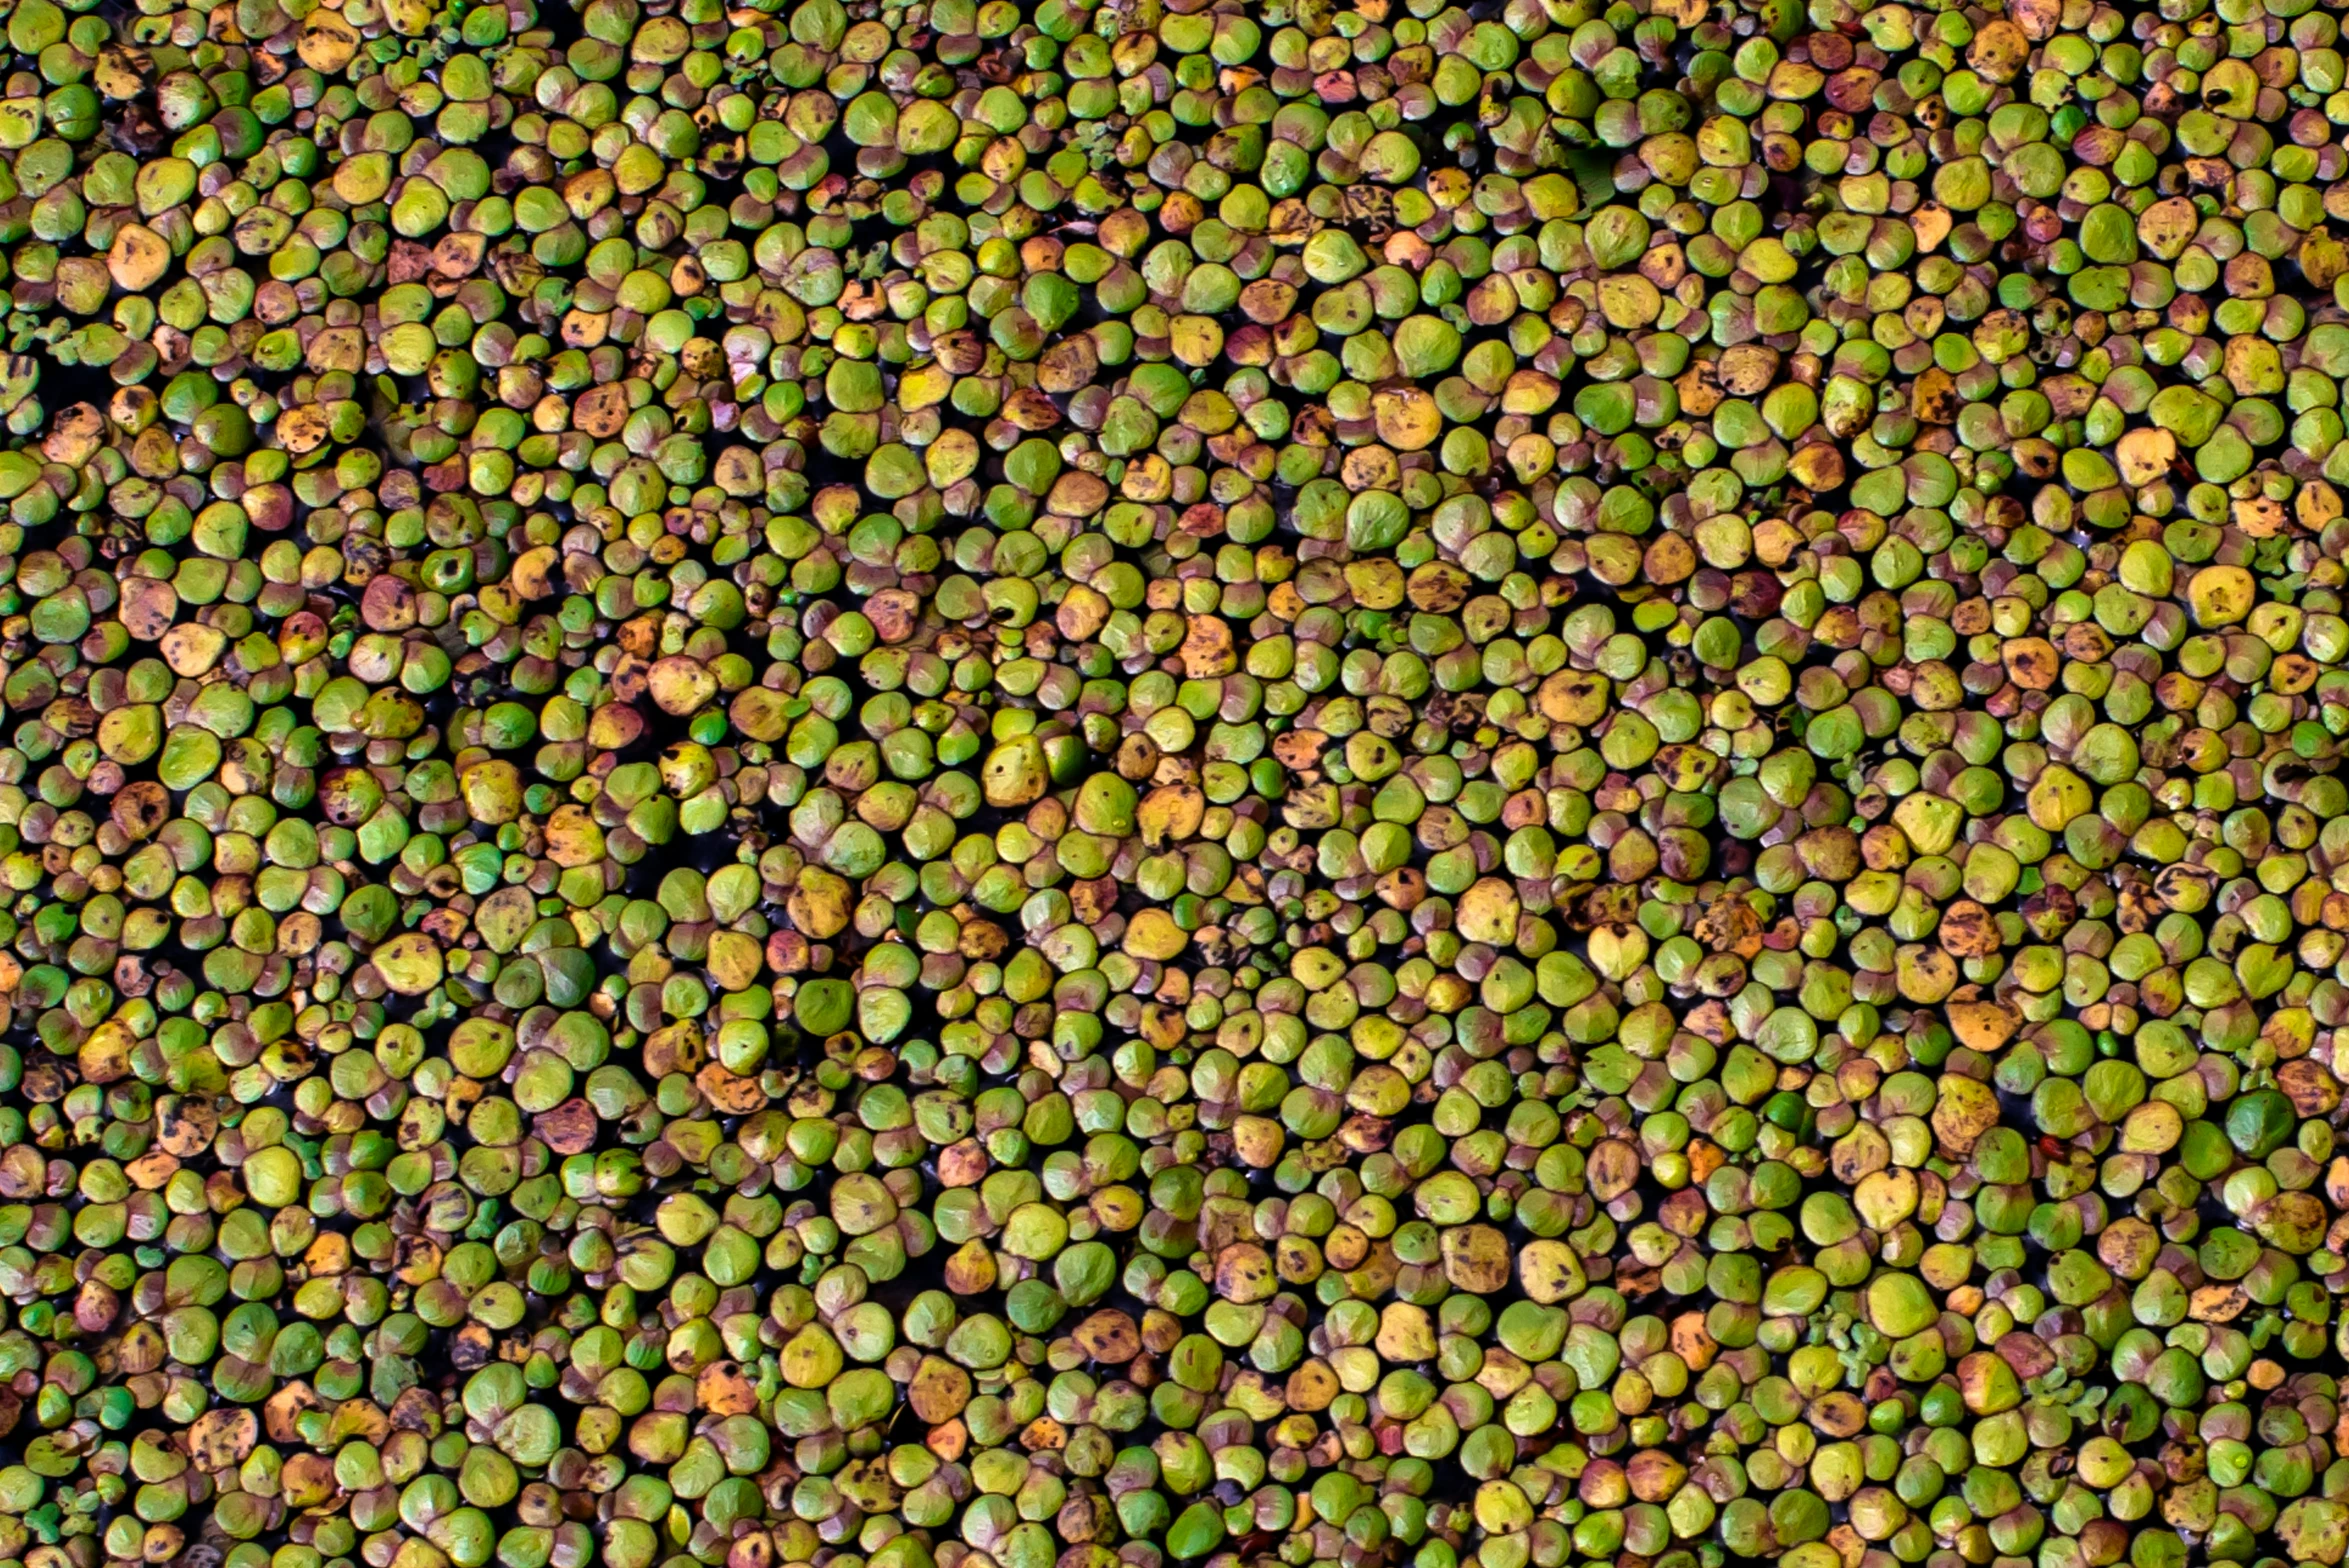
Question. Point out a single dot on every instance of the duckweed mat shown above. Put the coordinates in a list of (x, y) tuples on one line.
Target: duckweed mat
[(1173, 784)]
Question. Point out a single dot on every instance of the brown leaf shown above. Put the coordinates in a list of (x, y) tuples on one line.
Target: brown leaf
[(221, 1438), (1109, 1336)]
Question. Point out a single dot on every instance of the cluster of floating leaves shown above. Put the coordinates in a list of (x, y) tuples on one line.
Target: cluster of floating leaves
[(977, 785)]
